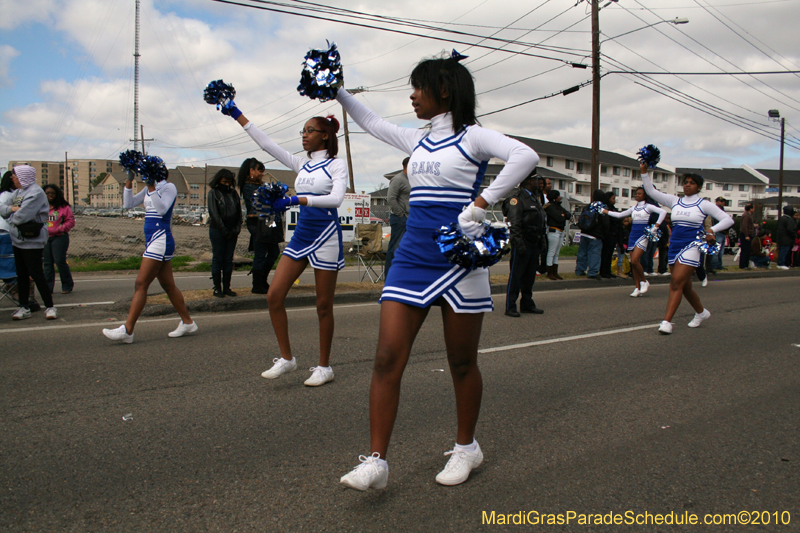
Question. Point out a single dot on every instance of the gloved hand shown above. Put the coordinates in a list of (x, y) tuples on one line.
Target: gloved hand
[(230, 109), (471, 221), (282, 204)]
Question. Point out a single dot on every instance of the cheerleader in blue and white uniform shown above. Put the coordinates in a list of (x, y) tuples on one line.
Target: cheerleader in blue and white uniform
[(158, 198), (637, 242), (445, 172), (688, 214), (320, 186)]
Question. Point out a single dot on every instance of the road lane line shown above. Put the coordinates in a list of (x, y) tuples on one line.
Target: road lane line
[(565, 339)]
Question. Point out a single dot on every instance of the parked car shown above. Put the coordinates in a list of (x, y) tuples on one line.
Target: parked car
[(136, 212)]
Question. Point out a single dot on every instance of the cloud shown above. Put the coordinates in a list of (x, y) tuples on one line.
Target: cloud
[(17, 13), (7, 53)]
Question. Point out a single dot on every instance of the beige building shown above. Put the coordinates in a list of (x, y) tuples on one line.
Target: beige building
[(81, 173)]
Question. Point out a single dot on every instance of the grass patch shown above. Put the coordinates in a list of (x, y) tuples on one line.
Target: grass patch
[(129, 263), (569, 251)]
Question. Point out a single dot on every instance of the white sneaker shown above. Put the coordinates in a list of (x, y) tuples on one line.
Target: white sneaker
[(644, 287), (320, 376), (280, 367), (635, 293), (21, 314), (183, 329), (704, 282), (119, 334), (459, 466), (649, 274), (51, 313), (666, 273), (698, 319), (665, 328), (372, 473), (783, 267)]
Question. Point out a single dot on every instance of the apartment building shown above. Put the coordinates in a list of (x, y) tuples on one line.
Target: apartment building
[(81, 173), (738, 186)]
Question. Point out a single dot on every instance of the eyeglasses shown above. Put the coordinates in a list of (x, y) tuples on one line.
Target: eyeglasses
[(309, 131)]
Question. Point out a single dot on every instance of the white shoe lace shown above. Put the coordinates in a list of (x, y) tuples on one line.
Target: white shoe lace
[(366, 464), (456, 457)]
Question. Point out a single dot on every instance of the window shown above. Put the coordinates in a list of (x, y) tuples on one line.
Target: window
[(569, 164), (579, 188), (626, 172), (727, 187), (615, 171), (561, 184), (194, 186), (744, 188), (182, 196), (194, 196), (569, 187), (581, 169), (709, 186), (549, 161), (626, 193), (615, 191), (743, 203), (604, 169)]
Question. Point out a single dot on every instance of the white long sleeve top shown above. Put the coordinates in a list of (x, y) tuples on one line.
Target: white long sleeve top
[(688, 210)]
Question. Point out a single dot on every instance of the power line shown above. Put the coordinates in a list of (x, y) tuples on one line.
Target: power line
[(706, 73)]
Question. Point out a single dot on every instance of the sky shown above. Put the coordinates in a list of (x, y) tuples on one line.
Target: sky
[(67, 76)]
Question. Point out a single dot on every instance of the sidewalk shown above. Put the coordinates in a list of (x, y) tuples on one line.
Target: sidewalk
[(350, 296)]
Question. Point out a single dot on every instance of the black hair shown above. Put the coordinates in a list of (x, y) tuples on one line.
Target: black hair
[(244, 171), (647, 198), (330, 126), (448, 76), (598, 195), (59, 200), (221, 174), (405, 162), (697, 178), (748, 207), (609, 194), (7, 183)]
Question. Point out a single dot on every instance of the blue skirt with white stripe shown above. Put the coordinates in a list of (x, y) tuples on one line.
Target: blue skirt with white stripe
[(420, 274), (637, 238), (680, 249), (318, 240), (160, 244)]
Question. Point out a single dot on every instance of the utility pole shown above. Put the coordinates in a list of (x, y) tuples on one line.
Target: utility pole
[(347, 141), (595, 176), (780, 172), (205, 184), (136, 81), (67, 178)]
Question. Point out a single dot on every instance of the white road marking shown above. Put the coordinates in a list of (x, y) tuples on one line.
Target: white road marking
[(566, 339)]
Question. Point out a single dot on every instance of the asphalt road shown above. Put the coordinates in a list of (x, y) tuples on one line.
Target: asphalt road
[(586, 409)]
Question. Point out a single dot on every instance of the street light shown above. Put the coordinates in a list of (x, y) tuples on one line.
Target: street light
[(775, 115), (595, 164)]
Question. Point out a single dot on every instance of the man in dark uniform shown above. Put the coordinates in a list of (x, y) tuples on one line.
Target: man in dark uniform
[(526, 221)]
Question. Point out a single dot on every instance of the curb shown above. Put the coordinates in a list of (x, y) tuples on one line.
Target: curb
[(259, 302)]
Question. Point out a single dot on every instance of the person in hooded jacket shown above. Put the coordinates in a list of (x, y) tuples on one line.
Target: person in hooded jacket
[(787, 230), (225, 223), (557, 218), (27, 215)]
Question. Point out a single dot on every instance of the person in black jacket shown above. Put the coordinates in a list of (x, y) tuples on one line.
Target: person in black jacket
[(225, 222), (557, 218), (610, 238), (787, 229), (526, 222)]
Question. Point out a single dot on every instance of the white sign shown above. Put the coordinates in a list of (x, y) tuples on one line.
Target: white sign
[(354, 210)]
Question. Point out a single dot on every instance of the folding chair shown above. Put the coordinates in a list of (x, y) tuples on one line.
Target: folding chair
[(8, 271), (370, 251)]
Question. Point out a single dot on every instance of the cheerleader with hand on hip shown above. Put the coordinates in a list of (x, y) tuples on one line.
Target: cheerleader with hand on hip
[(445, 173)]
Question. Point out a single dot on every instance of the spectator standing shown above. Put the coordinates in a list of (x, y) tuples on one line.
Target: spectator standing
[(590, 248), (557, 218), (716, 260), (397, 196), (611, 238), (747, 231), (545, 186), (526, 225), (250, 178), (787, 231), (27, 213), (225, 223), (60, 221), (796, 247)]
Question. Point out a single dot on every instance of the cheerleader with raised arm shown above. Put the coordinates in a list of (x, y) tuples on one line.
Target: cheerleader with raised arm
[(158, 197), (445, 173), (320, 186), (688, 214), (638, 240)]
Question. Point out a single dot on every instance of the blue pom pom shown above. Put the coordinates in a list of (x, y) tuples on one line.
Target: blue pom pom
[(482, 252), (322, 74), (704, 246), (219, 93), (597, 207), (130, 160), (152, 169), (266, 195), (653, 233), (649, 155)]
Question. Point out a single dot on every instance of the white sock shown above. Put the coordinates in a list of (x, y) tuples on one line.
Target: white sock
[(324, 367), (470, 448)]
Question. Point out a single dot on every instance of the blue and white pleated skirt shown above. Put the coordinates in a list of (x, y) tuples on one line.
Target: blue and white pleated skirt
[(160, 244), (421, 274), (680, 250), (637, 238), (318, 240)]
